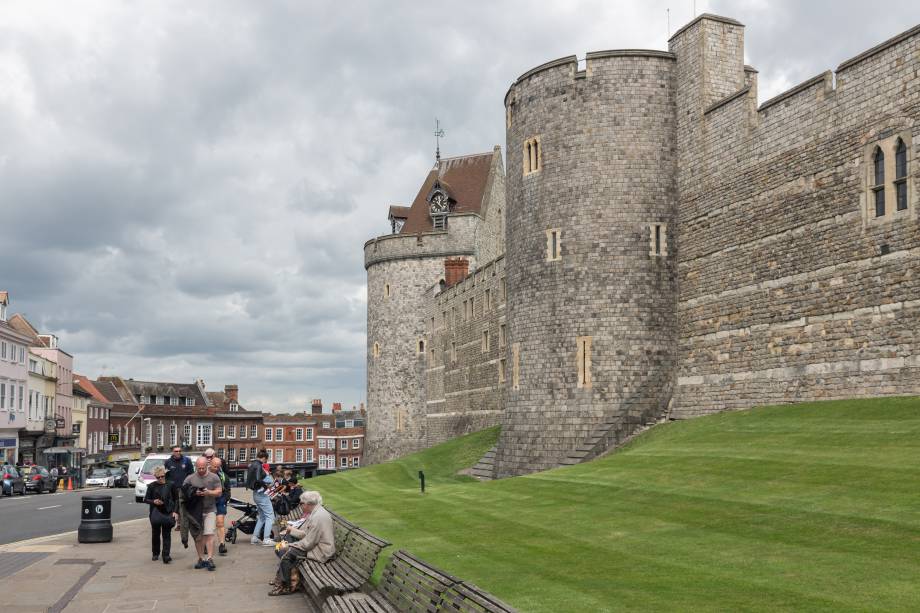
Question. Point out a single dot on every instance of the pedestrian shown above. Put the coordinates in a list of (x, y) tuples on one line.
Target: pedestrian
[(163, 516), (201, 489), (259, 480), (220, 506), (315, 540), (178, 468)]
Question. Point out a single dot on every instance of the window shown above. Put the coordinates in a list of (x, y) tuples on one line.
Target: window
[(309, 454), (326, 425), (279, 455), (502, 336), (343, 444), (501, 370), (19, 400), (472, 307), (234, 407), (203, 435), (386, 290), (504, 288), (253, 431), (231, 431), (144, 399), (279, 434), (421, 347), (220, 453), (298, 455), (231, 455), (159, 399), (242, 454), (354, 462), (173, 434), (453, 351), (187, 433), (488, 303), (466, 310), (553, 245), (252, 453), (533, 156), (309, 434), (148, 433), (516, 366), (322, 462), (268, 434), (878, 189), (349, 423), (189, 402), (355, 443), (243, 431), (900, 175), (160, 430), (344, 463), (584, 361), (322, 443), (485, 341), (376, 350), (270, 455), (220, 431), (298, 434), (174, 401), (658, 240)]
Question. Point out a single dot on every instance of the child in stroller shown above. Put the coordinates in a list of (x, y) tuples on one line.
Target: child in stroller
[(247, 523)]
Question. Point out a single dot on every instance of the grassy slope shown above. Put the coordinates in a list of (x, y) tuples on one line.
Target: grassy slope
[(804, 507)]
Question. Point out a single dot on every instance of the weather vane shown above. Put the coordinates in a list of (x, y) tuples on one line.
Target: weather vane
[(438, 135)]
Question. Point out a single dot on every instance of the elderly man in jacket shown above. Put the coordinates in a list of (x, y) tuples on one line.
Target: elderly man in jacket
[(315, 540)]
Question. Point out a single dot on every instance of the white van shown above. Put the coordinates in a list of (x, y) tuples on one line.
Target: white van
[(145, 476), (134, 467)]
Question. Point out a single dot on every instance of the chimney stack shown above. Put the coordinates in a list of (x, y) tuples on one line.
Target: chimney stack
[(233, 393), (455, 271), (336, 407), (316, 407), (362, 408), (4, 302)]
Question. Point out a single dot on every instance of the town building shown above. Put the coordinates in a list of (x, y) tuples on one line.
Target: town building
[(290, 439), (13, 384), (341, 439), (64, 451), (97, 421), (671, 248), (38, 433), (238, 431)]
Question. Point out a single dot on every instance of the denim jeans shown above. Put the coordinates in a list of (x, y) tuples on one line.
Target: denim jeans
[(266, 515)]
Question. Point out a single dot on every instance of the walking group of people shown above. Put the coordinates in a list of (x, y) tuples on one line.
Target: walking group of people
[(192, 499)]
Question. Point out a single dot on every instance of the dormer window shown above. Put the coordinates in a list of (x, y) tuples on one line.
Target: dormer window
[(234, 407)]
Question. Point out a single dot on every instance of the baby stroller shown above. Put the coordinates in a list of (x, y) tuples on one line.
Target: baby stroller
[(247, 523)]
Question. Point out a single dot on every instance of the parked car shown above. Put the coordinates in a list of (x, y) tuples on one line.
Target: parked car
[(145, 476), (12, 481), (100, 477), (38, 479), (120, 476)]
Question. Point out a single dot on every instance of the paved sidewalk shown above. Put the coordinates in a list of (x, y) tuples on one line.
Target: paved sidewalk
[(58, 574)]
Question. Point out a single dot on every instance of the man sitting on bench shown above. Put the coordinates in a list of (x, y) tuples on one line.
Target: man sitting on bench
[(315, 540)]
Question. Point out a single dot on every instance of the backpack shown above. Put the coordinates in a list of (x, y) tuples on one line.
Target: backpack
[(253, 478)]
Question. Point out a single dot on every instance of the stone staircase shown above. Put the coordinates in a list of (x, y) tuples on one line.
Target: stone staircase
[(484, 470), (611, 434)]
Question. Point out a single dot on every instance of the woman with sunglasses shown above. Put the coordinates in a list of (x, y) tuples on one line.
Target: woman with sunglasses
[(163, 514)]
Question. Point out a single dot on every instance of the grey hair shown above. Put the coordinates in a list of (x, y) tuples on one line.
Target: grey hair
[(159, 470), (311, 497)]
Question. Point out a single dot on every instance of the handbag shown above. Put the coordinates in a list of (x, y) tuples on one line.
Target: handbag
[(159, 518)]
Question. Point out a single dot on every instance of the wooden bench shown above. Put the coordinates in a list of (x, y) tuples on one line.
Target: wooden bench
[(342, 527), (281, 520), (348, 572), (410, 585)]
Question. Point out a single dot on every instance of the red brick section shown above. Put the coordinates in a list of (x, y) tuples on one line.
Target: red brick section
[(455, 270), (338, 442), (298, 432)]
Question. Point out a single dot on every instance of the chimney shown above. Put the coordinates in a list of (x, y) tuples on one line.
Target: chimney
[(316, 407), (336, 407), (4, 302), (455, 271), (233, 393), (362, 408)]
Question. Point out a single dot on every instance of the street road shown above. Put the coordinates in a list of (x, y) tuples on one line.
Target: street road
[(33, 515)]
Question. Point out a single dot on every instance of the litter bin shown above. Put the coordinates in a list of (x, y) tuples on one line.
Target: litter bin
[(95, 520)]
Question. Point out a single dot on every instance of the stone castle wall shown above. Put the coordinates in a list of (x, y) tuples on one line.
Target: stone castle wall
[(790, 288), (463, 379), (606, 140)]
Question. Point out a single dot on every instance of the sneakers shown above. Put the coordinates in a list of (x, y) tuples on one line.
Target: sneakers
[(222, 550), (166, 559), (209, 564), (255, 541), (268, 543), (156, 557), (201, 564)]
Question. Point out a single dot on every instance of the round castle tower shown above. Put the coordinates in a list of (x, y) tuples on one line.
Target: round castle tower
[(590, 253)]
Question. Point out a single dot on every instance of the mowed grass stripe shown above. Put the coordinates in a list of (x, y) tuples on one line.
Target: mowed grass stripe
[(798, 507)]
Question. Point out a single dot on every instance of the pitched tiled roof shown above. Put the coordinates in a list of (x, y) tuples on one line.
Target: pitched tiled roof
[(399, 212), (22, 325), (110, 392), (161, 388), (463, 177), (88, 386), (219, 399), (277, 418)]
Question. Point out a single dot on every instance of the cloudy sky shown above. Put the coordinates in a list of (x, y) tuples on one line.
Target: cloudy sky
[(185, 188)]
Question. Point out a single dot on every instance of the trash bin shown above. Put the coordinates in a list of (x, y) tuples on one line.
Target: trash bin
[(95, 520)]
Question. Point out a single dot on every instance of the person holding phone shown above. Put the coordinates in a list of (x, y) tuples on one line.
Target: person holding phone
[(202, 488)]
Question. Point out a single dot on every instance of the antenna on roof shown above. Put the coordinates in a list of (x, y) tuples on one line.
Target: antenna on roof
[(438, 135), (668, 12)]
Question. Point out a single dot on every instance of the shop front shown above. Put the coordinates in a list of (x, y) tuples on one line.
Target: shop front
[(9, 446)]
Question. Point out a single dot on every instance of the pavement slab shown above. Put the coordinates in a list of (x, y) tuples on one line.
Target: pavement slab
[(61, 575)]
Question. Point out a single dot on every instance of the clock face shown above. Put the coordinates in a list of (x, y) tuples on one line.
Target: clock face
[(439, 203)]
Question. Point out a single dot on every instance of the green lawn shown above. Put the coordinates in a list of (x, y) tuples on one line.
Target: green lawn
[(801, 507)]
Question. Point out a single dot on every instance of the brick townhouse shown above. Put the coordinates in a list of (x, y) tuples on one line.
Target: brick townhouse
[(97, 420), (238, 432), (340, 439), (291, 438)]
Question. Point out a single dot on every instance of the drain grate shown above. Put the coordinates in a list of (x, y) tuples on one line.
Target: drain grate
[(14, 562)]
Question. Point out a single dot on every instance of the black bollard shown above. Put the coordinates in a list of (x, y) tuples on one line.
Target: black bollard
[(95, 520), (421, 477)]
